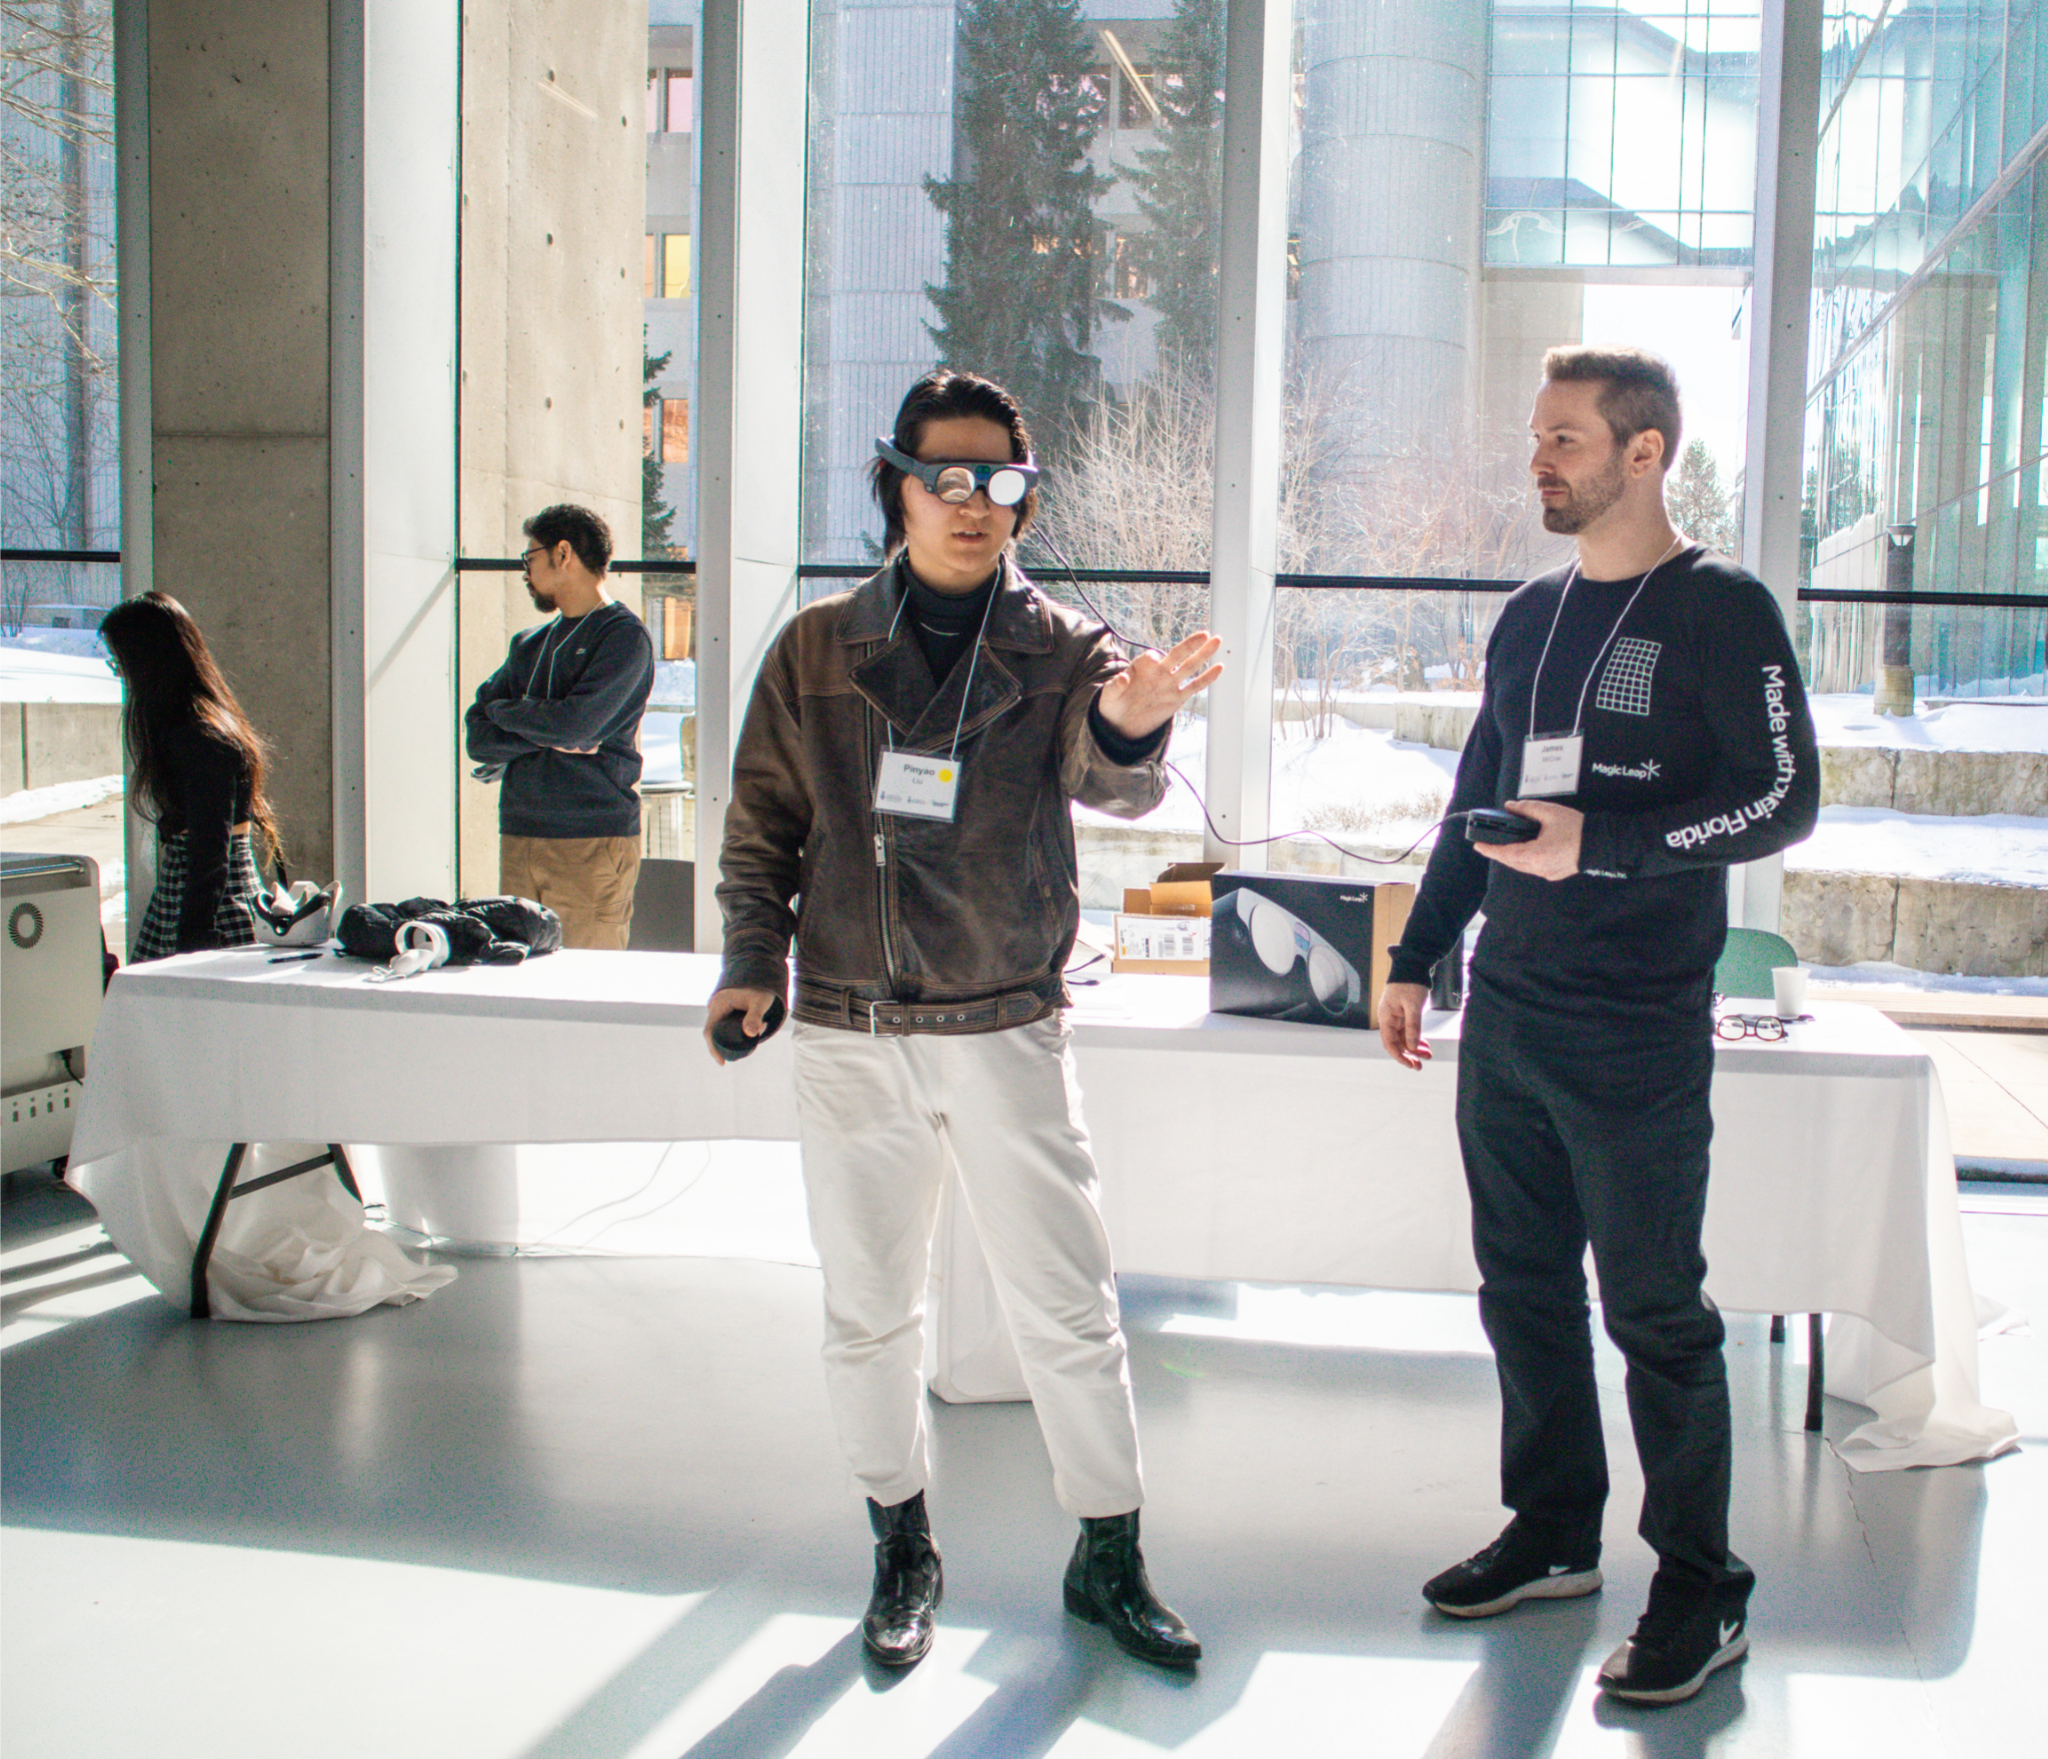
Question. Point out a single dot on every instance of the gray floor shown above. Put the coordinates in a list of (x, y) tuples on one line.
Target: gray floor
[(591, 1509)]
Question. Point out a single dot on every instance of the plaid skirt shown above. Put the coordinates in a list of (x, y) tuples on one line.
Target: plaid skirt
[(232, 924)]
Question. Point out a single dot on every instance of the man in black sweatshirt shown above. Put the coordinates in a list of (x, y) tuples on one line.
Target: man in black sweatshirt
[(559, 724), (1644, 707)]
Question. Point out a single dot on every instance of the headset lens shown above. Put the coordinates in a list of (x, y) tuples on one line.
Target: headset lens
[(1007, 487), (956, 483)]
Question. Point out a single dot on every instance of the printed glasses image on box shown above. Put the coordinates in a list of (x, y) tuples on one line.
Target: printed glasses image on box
[(1302, 973), (954, 480)]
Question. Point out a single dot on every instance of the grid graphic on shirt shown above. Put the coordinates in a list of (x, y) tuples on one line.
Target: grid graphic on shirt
[(1625, 685)]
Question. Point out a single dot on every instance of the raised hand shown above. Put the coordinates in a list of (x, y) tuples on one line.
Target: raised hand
[(1145, 695)]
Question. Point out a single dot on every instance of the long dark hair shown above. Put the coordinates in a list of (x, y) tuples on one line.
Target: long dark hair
[(172, 681)]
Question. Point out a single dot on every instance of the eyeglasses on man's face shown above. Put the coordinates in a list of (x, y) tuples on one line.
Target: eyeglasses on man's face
[(526, 559)]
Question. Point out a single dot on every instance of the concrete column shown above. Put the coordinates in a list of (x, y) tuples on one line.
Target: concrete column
[(1788, 115), (1392, 157), (1251, 295), (750, 379), (238, 243), (554, 166), (396, 71)]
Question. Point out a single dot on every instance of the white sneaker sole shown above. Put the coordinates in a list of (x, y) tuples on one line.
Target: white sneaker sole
[(1566, 1587), (1618, 1688)]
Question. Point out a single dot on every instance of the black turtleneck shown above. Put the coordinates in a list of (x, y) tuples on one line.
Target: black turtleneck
[(945, 625)]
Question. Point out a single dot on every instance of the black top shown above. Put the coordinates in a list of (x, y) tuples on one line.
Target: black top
[(209, 783), (1699, 752), (572, 681), (946, 624)]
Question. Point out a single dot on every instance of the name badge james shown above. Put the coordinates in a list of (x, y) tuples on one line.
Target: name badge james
[(917, 787), (1551, 765)]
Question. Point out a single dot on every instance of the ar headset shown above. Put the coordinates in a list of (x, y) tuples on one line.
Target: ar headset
[(955, 480)]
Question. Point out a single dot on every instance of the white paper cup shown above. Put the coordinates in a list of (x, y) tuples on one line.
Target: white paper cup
[(1788, 990)]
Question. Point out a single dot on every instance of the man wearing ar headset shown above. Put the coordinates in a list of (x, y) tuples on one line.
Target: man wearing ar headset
[(900, 807), (1643, 707)]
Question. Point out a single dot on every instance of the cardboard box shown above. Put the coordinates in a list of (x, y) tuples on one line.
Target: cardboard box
[(1164, 927), (1304, 947)]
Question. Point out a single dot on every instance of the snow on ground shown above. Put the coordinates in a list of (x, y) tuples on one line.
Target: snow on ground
[(1357, 779), (1362, 783), (2000, 849), (56, 665), (2016, 724), (26, 805)]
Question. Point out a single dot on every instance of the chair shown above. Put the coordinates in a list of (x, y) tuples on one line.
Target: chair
[(1746, 963), (664, 908)]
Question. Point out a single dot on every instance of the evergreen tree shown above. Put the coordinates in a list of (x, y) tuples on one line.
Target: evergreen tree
[(1019, 304), (656, 515), (1179, 186), (1700, 506)]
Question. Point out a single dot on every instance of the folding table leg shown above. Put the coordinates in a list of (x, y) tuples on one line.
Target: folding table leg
[(1816, 1370), (344, 1172), (202, 1254), (1777, 1328)]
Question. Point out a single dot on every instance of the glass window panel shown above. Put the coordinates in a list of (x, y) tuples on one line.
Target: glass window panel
[(681, 103), (675, 266), (647, 275), (949, 221), (648, 430), (675, 430)]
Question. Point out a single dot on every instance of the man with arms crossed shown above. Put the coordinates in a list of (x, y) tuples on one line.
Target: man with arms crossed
[(1643, 706), (559, 722)]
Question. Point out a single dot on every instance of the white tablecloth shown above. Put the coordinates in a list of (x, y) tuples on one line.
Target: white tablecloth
[(1231, 1149)]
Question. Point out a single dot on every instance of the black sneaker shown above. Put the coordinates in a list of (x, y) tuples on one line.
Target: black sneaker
[(1518, 1566), (1685, 1635)]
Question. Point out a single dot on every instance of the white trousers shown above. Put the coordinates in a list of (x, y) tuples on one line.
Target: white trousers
[(881, 1121)]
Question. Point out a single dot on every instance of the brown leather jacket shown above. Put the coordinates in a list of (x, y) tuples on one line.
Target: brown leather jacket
[(907, 924)]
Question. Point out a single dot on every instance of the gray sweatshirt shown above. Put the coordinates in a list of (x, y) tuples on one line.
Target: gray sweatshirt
[(570, 682)]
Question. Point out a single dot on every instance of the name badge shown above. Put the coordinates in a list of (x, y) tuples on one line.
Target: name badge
[(917, 787), (1551, 765)]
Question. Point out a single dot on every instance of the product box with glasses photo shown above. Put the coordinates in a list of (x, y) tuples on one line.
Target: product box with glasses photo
[(1303, 947)]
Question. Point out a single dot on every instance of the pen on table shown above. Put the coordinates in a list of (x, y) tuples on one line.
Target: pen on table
[(294, 958)]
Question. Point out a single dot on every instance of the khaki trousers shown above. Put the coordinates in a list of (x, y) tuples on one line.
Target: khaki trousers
[(586, 881), (881, 1119)]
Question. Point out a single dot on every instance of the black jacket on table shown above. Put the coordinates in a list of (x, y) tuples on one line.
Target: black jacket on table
[(210, 788), (885, 907), (1699, 752), (571, 681)]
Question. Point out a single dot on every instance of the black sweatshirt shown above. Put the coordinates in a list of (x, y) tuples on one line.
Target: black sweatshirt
[(1699, 752), (572, 681), (209, 782)]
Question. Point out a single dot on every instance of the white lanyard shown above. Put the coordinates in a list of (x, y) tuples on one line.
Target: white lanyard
[(1579, 713), (1551, 762), (550, 649), (926, 787)]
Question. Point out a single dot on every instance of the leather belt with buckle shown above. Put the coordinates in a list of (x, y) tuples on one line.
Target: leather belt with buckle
[(894, 1019)]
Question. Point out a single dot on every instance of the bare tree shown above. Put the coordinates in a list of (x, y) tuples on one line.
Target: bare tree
[(56, 277)]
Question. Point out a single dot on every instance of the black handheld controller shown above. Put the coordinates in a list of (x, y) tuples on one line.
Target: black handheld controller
[(1488, 824), (730, 1032)]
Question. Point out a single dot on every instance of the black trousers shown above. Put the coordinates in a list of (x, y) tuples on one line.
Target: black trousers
[(1580, 1132)]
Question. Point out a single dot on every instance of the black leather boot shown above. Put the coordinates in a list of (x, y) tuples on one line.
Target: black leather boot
[(899, 1623), (1106, 1585)]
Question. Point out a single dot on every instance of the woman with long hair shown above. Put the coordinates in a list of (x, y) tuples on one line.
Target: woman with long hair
[(197, 769)]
